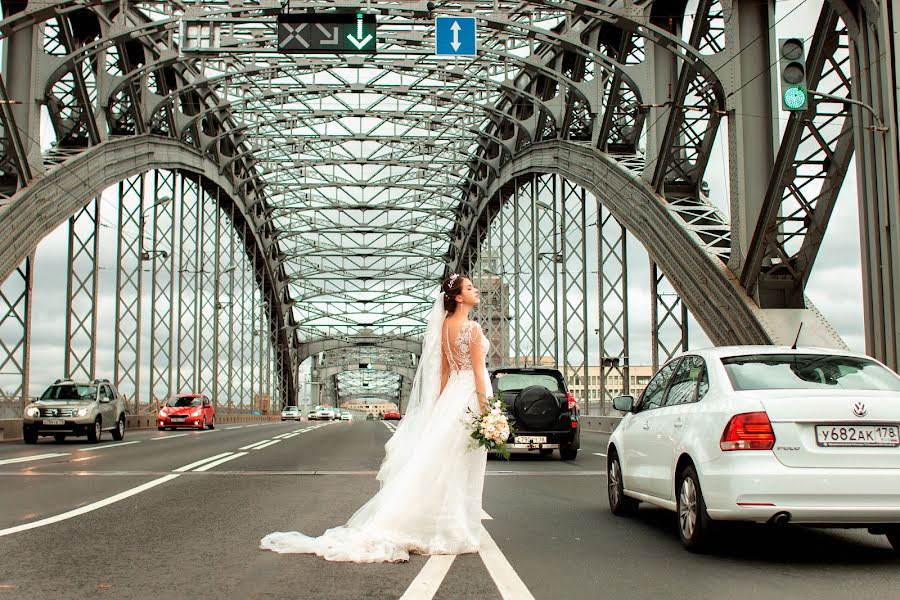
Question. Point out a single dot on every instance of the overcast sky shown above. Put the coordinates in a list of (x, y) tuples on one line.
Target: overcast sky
[(839, 261)]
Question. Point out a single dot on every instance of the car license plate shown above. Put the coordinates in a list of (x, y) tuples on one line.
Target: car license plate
[(531, 439), (177, 417), (858, 435), (54, 422)]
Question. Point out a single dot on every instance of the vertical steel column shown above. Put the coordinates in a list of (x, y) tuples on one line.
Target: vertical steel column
[(162, 292), (217, 306), (82, 292), (518, 291), (573, 298), (129, 288), (189, 266), (613, 282), (15, 334), (547, 257), (669, 332), (207, 295)]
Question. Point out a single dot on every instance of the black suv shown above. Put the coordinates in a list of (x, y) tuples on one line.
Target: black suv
[(540, 410)]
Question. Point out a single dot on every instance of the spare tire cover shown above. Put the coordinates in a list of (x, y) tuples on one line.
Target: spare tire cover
[(535, 408)]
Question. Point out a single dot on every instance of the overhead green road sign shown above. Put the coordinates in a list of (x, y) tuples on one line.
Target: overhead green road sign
[(327, 33)]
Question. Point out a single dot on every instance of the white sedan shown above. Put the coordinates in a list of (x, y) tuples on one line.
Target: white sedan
[(763, 434)]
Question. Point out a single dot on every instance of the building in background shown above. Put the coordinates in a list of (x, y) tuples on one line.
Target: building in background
[(375, 408)]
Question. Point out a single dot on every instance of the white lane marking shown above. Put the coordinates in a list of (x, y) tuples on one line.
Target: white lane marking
[(209, 466), (168, 437), (254, 425), (598, 454), (108, 446), (485, 516), (253, 445), (505, 577), (10, 461), (200, 462), (230, 428), (89, 507), (272, 443), (429, 579)]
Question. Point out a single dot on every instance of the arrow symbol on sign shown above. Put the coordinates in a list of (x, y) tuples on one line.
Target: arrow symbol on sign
[(329, 41), (455, 44), (359, 41)]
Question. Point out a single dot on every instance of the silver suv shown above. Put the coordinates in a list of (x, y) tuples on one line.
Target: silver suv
[(74, 408)]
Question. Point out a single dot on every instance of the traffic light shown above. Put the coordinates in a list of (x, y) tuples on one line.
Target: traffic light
[(792, 66)]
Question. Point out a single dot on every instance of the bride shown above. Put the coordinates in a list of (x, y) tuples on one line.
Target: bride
[(431, 477)]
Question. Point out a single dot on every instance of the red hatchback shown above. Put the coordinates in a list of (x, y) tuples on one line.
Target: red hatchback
[(391, 415), (187, 410)]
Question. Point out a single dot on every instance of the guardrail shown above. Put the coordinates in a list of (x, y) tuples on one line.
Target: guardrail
[(600, 424), (11, 429)]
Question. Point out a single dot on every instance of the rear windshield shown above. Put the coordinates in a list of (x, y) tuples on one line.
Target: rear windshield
[(184, 401), (808, 371), (69, 392), (520, 381)]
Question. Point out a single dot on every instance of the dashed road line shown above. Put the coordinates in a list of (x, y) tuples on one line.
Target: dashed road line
[(236, 427), (21, 459), (509, 584), (253, 445), (108, 446), (89, 507), (429, 579), (598, 454), (200, 462), (266, 445), (168, 437), (216, 463)]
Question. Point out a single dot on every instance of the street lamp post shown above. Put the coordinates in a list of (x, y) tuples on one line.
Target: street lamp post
[(148, 254), (216, 308)]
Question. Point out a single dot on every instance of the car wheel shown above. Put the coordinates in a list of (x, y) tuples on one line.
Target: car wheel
[(568, 453), (545, 451), (203, 423), (694, 524), (59, 437), (893, 536), (119, 432), (94, 433), (212, 424), (160, 428), (619, 504), (30, 436)]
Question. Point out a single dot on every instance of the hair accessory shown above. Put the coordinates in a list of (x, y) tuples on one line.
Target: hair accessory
[(452, 279)]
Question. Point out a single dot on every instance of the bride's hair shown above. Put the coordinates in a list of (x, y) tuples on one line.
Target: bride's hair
[(452, 287)]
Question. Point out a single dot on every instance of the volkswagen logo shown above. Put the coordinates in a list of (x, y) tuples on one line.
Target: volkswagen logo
[(860, 410)]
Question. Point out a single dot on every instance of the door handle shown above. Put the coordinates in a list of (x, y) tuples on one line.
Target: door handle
[(646, 424)]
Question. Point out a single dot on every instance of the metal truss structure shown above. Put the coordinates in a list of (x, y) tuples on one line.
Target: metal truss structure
[(294, 207)]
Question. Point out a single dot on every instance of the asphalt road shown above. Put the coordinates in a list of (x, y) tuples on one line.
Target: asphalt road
[(141, 520)]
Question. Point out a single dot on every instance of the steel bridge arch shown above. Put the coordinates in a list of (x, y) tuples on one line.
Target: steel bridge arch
[(97, 168)]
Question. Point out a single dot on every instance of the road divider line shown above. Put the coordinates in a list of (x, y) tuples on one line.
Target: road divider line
[(254, 425), (236, 427), (89, 507), (10, 461), (598, 454), (108, 446), (209, 466), (272, 443), (253, 445), (168, 437), (429, 579), (510, 586), (200, 462), (485, 516)]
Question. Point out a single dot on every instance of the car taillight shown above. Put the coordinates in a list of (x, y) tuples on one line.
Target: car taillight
[(571, 400), (748, 431)]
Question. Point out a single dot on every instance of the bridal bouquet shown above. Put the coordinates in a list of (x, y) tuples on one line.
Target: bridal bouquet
[(491, 429)]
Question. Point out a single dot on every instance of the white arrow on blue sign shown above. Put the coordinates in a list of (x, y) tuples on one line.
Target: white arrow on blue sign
[(455, 36)]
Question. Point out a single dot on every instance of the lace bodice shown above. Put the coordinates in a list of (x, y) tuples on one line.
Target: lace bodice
[(458, 353)]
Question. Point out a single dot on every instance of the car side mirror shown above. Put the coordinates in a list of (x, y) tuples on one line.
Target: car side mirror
[(624, 403)]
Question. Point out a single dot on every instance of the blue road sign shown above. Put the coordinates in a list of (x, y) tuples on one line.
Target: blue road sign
[(455, 36)]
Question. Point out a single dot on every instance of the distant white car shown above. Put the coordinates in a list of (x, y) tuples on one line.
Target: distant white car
[(762, 434), (290, 413), (324, 413), (346, 416)]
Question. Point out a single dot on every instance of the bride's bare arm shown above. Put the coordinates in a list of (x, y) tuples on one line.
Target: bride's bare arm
[(478, 364), (445, 369)]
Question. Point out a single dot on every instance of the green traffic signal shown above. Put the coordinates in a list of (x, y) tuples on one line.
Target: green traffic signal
[(795, 97)]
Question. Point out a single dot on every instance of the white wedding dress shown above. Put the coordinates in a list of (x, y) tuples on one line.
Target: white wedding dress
[(431, 477)]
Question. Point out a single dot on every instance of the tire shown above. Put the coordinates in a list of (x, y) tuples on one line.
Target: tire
[(160, 428), (118, 433), (545, 451), (30, 437), (203, 423), (568, 453), (59, 437), (94, 433), (893, 536), (619, 504), (535, 409), (212, 424), (694, 524)]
